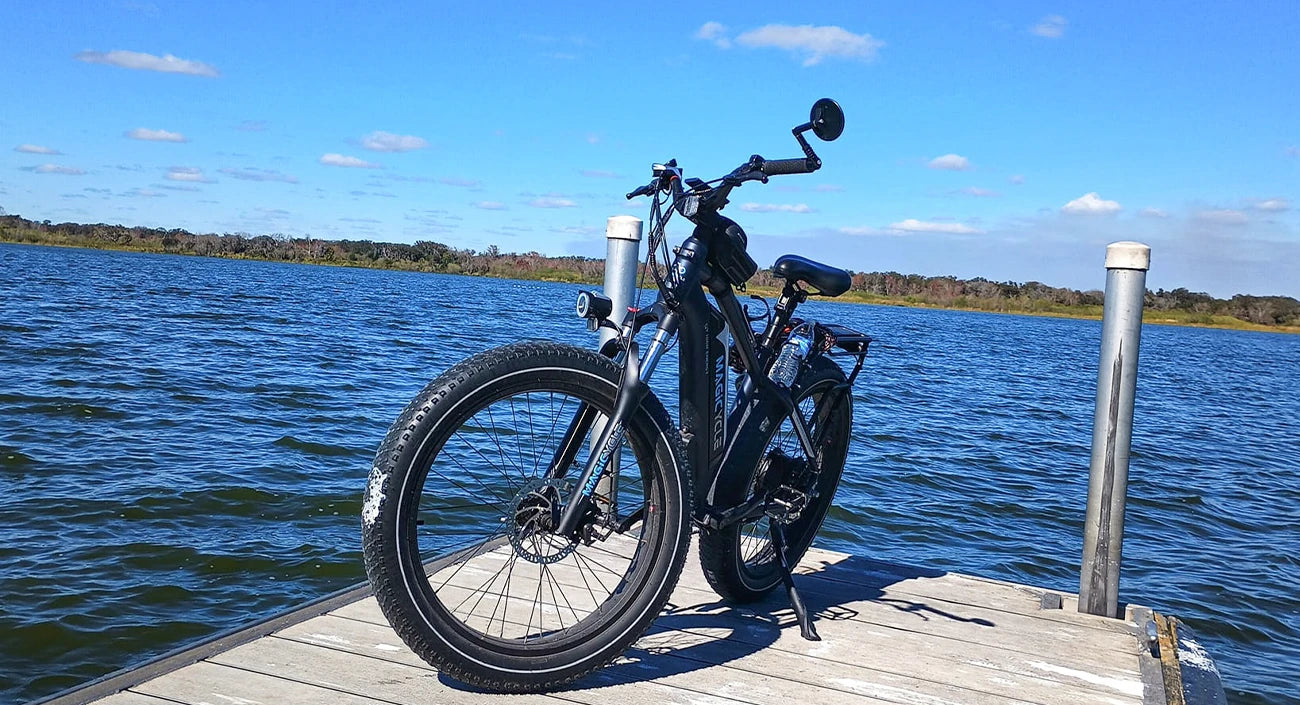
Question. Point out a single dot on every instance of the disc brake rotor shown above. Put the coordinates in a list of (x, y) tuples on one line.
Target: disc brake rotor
[(532, 526)]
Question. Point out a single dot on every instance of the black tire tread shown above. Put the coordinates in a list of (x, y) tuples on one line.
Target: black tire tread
[(719, 552), (375, 542)]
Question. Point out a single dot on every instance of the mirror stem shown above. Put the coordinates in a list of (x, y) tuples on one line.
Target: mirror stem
[(807, 149)]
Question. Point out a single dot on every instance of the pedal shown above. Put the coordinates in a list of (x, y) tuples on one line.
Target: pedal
[(786, 505), (806, 628)]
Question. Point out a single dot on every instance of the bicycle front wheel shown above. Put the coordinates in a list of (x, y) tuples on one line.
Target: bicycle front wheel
[(462, 496)]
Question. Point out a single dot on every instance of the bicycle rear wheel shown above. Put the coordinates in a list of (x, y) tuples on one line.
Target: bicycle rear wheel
[(459, 505), (739, 561)]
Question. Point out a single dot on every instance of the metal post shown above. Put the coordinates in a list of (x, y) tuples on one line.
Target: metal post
[(1112, 427), (622, 254)]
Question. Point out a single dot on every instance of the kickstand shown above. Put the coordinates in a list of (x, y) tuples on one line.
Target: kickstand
[(806, 628)]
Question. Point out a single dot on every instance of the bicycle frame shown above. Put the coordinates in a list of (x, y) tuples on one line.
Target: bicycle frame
[(684, 315)]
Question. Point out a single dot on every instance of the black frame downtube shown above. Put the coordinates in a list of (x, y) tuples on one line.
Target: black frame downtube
[(702, 366)]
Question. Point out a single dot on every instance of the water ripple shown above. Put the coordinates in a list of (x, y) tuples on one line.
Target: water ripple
[(184, 442)]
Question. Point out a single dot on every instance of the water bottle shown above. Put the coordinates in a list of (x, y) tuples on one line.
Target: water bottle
[(791, 356)]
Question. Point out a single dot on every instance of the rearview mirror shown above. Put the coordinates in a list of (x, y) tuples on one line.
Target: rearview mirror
[(827, 119)]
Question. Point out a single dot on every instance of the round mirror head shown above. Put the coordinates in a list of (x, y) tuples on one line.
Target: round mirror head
[(827, 119)]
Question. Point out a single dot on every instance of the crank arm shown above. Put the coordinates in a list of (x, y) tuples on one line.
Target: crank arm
[(752, 508)]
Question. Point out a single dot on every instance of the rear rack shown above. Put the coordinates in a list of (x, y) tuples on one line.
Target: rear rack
[(849, 343)]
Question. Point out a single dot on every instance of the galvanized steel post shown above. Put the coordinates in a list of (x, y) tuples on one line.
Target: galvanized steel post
[(622, 254), (1112, 427)]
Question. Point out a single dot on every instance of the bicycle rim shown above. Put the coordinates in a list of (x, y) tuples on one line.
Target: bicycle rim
[(489, 566)]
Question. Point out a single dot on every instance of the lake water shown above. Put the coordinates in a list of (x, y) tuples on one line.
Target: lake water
[(184, 443)]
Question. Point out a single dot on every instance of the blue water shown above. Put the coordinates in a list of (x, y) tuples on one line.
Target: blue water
[(184, 441)]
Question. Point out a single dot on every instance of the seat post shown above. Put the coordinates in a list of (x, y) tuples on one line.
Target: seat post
[(791, 297)]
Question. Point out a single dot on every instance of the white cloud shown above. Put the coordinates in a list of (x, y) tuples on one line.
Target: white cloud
[(1292, 151), (1051, 26), (141, 133), (344, 160), (714, 32), (828, 188), (54, 169), (813, 43), (1016, 179), (251, 174), (911, 225), (950, 162), (978, 192), (1272, 205), (1091, 204), (593, 138), (388, 142), (776, 208), (186, 173), (599, 174), (490, 205), (457, 181), (35, 149), (1152, 213), (1222, 216), (148, 62), (549, 202)]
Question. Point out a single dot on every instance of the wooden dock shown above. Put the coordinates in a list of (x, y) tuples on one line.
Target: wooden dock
[(891, 634)]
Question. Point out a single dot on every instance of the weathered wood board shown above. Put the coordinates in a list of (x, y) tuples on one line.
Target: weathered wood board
[(891, 634)]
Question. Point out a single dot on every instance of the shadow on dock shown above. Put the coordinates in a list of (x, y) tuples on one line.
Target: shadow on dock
[(696, 636)]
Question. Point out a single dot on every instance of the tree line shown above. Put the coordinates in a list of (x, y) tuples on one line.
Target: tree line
[(429, 256)]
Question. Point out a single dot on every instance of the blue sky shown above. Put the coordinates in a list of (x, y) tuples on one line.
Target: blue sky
[(1010, 141)]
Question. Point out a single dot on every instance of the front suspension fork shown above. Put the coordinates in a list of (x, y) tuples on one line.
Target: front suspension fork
[(632, 389)]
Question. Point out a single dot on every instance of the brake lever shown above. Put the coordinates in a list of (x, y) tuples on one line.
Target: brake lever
[(640, 191), (734, 179)]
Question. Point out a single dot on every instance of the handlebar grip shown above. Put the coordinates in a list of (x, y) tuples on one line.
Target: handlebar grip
[(776, 167)]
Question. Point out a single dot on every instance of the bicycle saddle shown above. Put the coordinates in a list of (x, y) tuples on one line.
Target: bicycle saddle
[(830, 281)]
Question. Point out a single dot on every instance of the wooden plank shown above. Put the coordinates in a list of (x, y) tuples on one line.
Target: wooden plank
[(757, 676), (130, 698), (972, 624), (848, 644), (206, 683), (400, 677), (805, 662), (830, 572), (1000, 595), (892, 634), (897, 651), (824, 570)]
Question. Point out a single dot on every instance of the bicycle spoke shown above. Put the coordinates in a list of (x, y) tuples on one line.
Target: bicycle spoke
[(491, 589), (505, 476), (493, 421)]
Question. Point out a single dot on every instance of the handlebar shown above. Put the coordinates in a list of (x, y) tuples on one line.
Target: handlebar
[(668, 177), (776, 167)]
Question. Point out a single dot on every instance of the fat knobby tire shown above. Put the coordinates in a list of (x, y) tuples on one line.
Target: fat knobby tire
[(393, 563)]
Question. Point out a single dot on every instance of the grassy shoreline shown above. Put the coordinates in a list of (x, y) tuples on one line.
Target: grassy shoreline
[(1051, 310)]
